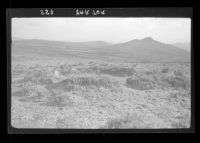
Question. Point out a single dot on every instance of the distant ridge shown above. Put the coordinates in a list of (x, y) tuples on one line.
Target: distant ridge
[(144, 50), (185, 46), (66, 43), (149, 50), (144, 40)]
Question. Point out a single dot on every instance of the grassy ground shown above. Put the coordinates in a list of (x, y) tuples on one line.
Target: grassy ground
[(94, 94)]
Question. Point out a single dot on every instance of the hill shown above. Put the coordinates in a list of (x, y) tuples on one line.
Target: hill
[(147, 50), (185, 46), (144, 50)]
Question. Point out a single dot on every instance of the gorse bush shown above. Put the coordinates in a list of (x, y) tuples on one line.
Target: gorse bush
[(44, 81), (117, 71), (66, 85), (37, 74), (178, 125), (34, 76), (114, 71), (21, 93), (138, 84), (88, 81), (178, 73), (177, 82), (29, 99), (71, 83), (133, 121), (65, 69), (165, 70), (61, 123), (18, 70), (57, 101)]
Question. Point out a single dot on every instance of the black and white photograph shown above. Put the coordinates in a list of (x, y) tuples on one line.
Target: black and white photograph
[(100, 72)]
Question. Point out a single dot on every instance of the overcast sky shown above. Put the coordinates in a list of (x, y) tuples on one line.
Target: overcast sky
[(114, 30)]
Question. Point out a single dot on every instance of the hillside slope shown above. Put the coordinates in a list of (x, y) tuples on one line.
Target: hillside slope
[(185, 46), (145, 50), (148, 50)]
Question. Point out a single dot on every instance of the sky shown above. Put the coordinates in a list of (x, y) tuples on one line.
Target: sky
[(112, 30)]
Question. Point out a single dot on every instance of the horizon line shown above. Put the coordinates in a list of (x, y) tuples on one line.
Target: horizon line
[(109, 42)]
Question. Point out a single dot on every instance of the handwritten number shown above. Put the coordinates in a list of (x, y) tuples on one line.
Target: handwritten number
[(41, 11), (46, 12)]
